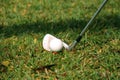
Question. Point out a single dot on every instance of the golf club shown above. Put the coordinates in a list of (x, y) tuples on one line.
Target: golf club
[(85, 28), (51, 43)]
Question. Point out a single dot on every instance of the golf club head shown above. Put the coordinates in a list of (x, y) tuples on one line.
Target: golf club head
[(48, 38)]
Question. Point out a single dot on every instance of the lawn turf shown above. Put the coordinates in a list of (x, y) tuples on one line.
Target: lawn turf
[(23, 25)]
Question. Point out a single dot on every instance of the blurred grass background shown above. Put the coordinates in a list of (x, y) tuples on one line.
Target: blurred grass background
[(23, 25)]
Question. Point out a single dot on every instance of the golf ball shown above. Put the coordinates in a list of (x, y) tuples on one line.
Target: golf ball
[(56, 45)]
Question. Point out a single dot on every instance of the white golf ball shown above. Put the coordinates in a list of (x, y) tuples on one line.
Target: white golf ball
[(56, 45)]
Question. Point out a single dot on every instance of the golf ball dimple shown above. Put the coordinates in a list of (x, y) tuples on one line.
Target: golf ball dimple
[(56, 45)]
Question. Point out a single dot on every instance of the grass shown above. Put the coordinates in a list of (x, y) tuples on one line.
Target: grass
[(24, 24)]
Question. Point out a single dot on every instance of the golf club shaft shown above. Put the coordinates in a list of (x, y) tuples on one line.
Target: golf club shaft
[(90, 21)]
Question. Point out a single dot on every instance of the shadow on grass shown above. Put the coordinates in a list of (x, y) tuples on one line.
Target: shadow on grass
[(41, 27), (56, 27)]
